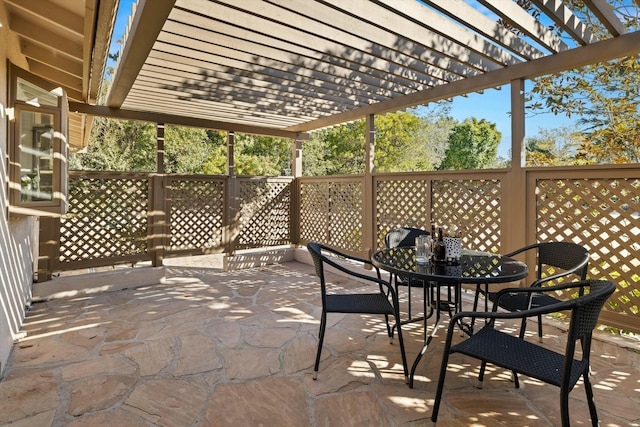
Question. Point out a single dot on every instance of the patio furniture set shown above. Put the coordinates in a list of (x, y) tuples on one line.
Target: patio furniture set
[(559, 292)]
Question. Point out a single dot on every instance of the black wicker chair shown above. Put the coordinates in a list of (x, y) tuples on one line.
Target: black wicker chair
[(403, 237), (383, 300), (490, 345), (565, 258)]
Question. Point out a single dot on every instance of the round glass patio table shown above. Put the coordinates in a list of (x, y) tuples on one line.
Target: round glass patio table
[(473, 267)]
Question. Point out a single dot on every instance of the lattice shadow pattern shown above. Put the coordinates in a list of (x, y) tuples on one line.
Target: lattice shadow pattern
[(264, 213)]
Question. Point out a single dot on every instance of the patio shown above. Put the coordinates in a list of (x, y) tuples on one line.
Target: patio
[(214, 348)]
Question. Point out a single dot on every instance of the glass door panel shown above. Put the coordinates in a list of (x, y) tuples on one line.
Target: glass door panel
[(37, 147)]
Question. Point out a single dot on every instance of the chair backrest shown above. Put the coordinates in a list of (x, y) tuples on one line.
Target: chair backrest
[(586, 309), (570, 257), (315, 249), (403, 237)]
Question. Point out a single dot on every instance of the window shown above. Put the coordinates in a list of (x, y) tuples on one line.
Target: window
[(37, 146)]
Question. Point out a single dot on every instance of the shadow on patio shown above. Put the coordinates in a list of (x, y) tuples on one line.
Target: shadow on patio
[(220, 349)]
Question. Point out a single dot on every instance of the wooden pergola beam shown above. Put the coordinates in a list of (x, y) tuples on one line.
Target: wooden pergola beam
[(118, 113), (147, 24), (625, 45)]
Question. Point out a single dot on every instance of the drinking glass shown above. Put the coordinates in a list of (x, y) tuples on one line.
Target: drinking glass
[(423, 249)]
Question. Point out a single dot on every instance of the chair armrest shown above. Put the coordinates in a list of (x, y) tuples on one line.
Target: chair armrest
[(377, 280), (350, 258), (493, 315), (538, 283), (534, 289), (519, 251), (574, 270)]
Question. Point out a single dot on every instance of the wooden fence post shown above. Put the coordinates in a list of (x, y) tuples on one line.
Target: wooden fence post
[(48, 247), (158, 218)]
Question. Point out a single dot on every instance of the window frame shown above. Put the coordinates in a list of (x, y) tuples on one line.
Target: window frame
[(58, 203)]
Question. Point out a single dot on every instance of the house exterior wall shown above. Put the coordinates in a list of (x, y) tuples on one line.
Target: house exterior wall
[(17, 241)]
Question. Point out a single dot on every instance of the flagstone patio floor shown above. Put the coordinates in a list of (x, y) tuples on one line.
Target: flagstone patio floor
[(211, 348)]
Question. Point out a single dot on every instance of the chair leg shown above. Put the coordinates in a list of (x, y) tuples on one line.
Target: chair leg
[(393, 279), (323, 325), (402, 351), (483, 366), (564, 406), (592, 404), (523, 328), (540, 328), (390, 329), (443, 373)]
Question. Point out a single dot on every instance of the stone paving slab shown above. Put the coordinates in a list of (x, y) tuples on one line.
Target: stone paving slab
[(206, 347)]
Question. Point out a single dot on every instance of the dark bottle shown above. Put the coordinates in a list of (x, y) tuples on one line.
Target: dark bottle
[(440, 251)]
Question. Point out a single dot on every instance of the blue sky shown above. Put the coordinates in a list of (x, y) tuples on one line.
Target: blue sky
[(494, 106)]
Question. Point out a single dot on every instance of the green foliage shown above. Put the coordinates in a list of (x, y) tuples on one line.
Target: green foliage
[(253, 155), (130, 146), (473, 144), (396, 145), (404, 141), (604, 96), (334, 151), (262, 155), (188, 149), (118, 145), (554, 147)]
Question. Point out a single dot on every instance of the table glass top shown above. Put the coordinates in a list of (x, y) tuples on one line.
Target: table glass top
[(473, 266)]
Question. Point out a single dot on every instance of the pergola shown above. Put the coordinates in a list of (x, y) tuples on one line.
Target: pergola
[(286, 67)]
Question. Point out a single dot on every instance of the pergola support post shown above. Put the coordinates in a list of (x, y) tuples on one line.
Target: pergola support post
[(160, 147), (294, 209), (230, 231), (515, 207), (368, 208)]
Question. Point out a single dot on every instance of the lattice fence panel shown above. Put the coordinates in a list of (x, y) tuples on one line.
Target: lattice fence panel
[(331, 213), (470, 205), (400, 203), (196, 214), (314, 211), (264, 213), (345, 221), (106, 219), (603, 215)]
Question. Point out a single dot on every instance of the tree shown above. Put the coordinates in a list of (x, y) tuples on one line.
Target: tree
[(473, 144), (118, 145), (411, 140), (437, 126), (262, 155), (334, 151), (396, 144), (187, 149), (554, 147), (605, 95)]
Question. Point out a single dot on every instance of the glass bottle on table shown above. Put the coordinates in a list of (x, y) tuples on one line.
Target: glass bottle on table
[(440, 251)]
